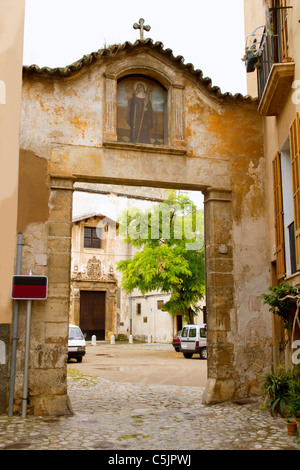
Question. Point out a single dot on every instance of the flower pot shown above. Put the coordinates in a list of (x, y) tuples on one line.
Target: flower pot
[(250, 63), (291, 427)]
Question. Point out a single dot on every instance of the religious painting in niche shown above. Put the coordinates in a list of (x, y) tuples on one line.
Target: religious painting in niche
[(141, 111)]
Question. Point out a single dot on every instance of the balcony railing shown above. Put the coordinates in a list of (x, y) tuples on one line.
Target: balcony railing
[(273, 47), (267, 51), (270, 52), (266, 58)]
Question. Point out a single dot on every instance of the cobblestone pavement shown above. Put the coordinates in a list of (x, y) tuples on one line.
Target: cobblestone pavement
[(123, 416)]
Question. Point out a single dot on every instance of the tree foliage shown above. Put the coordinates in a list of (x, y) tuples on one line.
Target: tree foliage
[(281, 299), (169, 253)]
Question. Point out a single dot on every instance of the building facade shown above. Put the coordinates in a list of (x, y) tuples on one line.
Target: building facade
[(272, 44), (98, 304), (77, 126)]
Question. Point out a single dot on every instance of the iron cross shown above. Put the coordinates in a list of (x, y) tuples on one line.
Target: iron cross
[(141, 27)]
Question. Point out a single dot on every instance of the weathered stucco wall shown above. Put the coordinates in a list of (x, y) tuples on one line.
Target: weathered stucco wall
[(214, 145), (11, 49)]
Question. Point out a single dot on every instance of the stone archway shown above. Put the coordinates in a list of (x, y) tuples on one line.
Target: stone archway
[(223, 376), (214, 145)]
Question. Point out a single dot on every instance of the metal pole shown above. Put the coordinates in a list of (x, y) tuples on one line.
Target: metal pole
[(26, 364), (14, 334), (130, 297)]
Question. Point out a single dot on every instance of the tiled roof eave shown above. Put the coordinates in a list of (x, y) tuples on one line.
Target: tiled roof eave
[(102, 54)]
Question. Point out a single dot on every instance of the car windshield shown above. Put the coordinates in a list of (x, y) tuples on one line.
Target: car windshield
[(75, 333)]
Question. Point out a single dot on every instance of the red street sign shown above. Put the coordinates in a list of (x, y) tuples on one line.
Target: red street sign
[(29, 287)]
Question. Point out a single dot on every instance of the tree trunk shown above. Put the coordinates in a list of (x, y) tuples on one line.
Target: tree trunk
[(190, 315)]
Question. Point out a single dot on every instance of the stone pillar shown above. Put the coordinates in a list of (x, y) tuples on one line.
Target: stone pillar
[(48, 374), (110, 314), (110, 133), (219, 296), (178, 116), (76, 305)]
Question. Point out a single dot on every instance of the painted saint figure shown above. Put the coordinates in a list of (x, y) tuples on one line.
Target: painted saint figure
[(140, 115)]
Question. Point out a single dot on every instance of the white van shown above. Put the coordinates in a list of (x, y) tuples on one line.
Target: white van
[(193, 341), (76, 343)]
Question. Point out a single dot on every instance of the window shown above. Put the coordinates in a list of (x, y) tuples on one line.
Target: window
[(160, 304), (203, 333), (295, 162), (141, 111), (291, 230), (192, 333), (91, 238), (286, 174), (138, 309), (184, 333)]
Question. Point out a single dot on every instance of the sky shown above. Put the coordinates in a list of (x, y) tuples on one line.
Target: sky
[(208, 34)]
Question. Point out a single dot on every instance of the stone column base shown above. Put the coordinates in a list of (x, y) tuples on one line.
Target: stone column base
[(57, 405), (218, 391)]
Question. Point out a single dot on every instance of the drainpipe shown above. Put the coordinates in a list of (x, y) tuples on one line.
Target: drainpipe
[(14, 333)]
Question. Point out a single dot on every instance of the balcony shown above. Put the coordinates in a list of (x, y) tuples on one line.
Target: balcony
[(275, 69), (275, 76)]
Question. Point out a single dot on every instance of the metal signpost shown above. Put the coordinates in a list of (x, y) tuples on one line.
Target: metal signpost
[(14, 333), (28, 288)]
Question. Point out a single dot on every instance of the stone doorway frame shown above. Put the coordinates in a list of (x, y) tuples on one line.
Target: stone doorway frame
[(221, 383), (110, 289)]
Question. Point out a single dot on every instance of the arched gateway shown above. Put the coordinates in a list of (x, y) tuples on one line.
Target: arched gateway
[(136, 115)]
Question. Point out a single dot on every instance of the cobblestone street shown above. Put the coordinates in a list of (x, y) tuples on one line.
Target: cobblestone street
[(113, 415)]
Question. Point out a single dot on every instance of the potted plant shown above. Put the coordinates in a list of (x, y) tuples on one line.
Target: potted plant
[(276, 390), (251, 60), (294, 394), (291, 426), (293, 405), (281, 299)]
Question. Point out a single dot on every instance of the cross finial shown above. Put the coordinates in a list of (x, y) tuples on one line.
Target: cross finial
[(141, 27)]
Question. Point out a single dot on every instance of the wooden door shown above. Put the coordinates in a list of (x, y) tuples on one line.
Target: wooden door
[(92, 314)]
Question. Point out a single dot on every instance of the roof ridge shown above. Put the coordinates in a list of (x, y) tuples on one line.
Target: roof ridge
[(115, 48)]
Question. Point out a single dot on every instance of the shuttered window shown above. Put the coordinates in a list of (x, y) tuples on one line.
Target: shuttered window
[(279, 231), (295, 162)]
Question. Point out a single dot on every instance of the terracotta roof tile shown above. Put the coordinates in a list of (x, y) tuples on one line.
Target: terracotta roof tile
[(127, 46)]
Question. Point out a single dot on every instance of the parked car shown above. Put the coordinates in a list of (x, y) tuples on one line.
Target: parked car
[(76, 343), (193, 341), (176, 341)]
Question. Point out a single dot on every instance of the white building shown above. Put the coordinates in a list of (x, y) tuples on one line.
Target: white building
[(98, 304)]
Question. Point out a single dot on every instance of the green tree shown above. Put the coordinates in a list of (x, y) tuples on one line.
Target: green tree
[(170, 253)]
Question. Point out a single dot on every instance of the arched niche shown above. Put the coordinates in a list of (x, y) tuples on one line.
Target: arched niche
[(142, 111), (120, 82)]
